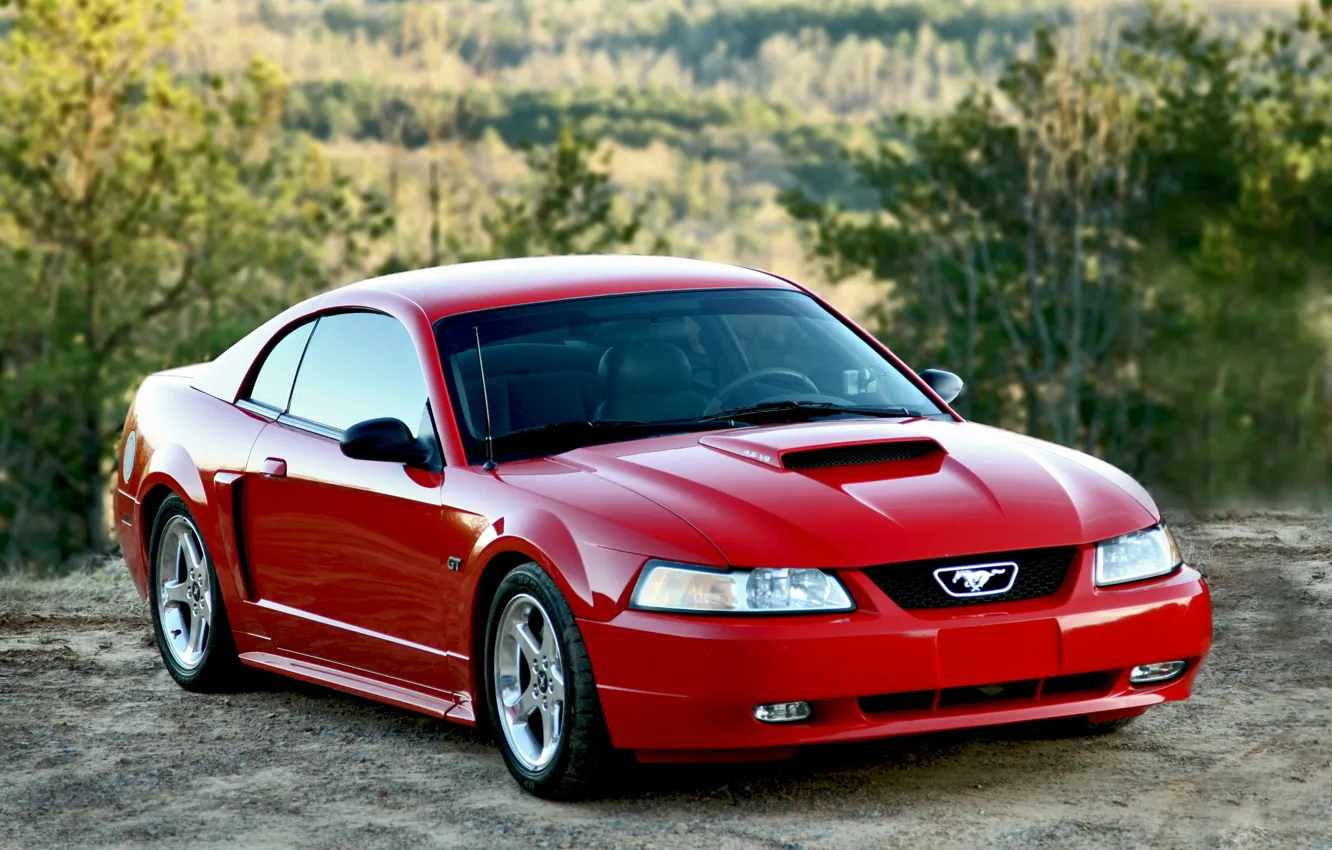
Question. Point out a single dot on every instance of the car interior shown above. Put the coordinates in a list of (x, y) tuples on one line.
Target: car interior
[(633, 370), (658, 358)]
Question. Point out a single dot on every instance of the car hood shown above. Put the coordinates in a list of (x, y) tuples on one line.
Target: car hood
[(955, 489)]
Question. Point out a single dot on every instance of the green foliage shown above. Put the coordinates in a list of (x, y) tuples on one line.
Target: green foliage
[(631, 116), (142, 222), (341, 17), (740, 31), (571, 208), (845, 55), (704, 128), (1121, 253)]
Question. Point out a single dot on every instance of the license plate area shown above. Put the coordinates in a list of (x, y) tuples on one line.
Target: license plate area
[(999, 652)]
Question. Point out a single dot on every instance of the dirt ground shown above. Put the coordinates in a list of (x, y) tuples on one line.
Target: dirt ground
[(98, 748)]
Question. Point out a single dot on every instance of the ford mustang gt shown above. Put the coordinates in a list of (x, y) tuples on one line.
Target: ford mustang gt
[(636, 505)]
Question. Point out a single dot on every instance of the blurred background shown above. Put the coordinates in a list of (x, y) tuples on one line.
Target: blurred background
[(1110, 218)]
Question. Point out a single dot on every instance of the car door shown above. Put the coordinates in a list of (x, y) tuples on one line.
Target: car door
[(345, 555)]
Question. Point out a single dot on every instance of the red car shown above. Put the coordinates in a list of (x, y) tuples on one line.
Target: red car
[(640, 504)]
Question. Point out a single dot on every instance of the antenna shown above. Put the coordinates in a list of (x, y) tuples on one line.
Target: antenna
[(490, 464)]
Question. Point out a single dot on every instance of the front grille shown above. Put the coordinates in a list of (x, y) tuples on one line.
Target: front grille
[(912, 585), (1029, 690), (989, 693), (859, 454)]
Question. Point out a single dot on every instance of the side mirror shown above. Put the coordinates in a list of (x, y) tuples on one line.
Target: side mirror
[(946, 384), (384, 439)]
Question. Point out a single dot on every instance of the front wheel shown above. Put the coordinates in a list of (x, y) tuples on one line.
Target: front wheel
[(1087, 726), (1083, 727), (542, 697)]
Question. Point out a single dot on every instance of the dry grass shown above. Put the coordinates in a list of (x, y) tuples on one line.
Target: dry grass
[(102, 590)]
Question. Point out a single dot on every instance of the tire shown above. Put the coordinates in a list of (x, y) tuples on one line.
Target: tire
[(1105, 727), (184, 596), (568, 754), (1082, 727)]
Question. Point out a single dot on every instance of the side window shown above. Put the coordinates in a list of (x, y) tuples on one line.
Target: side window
[(272, 386), (360, 366)]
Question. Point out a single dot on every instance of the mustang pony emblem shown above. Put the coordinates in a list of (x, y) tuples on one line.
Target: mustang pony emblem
[(975, 579), (978, 580)]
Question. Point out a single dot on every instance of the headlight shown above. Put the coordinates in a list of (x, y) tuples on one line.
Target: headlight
[(664, 586), (1137, 555)]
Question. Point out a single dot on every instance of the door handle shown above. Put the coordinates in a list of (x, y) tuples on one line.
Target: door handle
[(274, 467)]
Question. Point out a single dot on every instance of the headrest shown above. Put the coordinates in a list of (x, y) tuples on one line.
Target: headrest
[(648, 368)]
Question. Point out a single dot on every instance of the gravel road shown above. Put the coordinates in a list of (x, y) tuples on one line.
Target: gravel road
[(98, 748)]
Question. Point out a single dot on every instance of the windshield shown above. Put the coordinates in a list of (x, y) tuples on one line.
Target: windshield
[(592, 370)]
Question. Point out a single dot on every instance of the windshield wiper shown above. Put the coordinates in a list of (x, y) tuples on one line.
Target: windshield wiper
[(563, 436), (798, 410)]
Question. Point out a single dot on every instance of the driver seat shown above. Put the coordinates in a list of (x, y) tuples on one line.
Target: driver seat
[(648, 382)]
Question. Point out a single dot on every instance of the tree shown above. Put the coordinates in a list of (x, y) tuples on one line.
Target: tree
[(571, 207), (443, 37), (1004, 232), (143, 220), (1120, 253)]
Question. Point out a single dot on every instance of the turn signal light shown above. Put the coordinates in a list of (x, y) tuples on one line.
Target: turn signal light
[(783, 712), (1145, 674)]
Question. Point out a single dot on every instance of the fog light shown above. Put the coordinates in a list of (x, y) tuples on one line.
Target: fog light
[(783, 712), (1145, 674)]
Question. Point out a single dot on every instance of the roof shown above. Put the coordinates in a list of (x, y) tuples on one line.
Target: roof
[(448, 290)]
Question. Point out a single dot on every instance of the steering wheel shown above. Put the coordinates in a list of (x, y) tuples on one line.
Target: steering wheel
[(790, 376)]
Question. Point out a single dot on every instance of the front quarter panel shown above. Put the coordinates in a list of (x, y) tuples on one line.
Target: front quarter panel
[(591, 536), (183, 439), (572, 522)]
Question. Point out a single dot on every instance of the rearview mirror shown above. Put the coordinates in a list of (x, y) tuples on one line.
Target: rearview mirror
[(946, 384), (384, 439)]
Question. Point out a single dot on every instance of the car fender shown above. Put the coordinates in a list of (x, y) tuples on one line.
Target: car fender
[(595, 580), (539, 536), (170, 466), (171, 453)]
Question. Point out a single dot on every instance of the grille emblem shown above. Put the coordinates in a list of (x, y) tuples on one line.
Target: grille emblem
[(977, 580)]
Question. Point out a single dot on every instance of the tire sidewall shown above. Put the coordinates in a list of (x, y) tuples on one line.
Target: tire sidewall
[(532, 580), (174, 506)]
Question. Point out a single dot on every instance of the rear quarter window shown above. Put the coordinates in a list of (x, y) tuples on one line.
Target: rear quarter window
[(272, 385)]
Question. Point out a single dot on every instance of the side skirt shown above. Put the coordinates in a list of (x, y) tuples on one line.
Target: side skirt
[(458, 711)]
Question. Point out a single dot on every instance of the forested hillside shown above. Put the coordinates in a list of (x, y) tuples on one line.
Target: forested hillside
[(1112, 219), (714, 106)]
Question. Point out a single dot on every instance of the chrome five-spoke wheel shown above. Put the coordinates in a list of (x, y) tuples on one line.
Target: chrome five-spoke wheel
[(541, 697), (184, 592), (529, 681)]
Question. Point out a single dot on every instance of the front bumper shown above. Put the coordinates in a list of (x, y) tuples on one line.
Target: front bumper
[(679, 687)]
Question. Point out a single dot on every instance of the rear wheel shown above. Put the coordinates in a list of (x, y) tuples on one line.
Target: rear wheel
[(542, 697), (189, 617)]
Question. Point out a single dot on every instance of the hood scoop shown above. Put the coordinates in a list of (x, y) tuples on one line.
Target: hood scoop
[(819, 447), (860, 453)]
